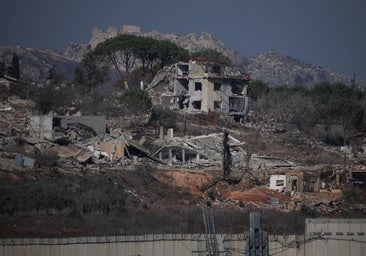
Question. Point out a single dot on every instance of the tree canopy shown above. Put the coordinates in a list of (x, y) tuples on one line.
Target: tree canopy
[(324, 103), (91, 73), (257, 89), (119, 51), (125, 52), (135, 101)]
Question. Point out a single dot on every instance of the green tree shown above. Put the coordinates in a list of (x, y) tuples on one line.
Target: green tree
[(163, 116), (135, 101), (146, 51), (13, 69), (257, 89), (342, 104), (53, 95), (90, 73), (353, 195), (321, 92), (2, 69), (120, 51), (169, 53), (226, 155), (46, 99), (298, 88), (124, 52)]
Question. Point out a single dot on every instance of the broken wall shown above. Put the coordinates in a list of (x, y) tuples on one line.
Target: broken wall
[(41, 126), (295, 181), (277, 182), (114, 149), (98, 123)]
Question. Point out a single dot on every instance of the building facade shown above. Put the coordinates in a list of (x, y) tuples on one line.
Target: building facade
[(207, 85)]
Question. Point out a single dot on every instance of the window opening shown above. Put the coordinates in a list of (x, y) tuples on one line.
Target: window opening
[(217, 104), (196, 104), (280, 183), (217, 87), (198, 86)]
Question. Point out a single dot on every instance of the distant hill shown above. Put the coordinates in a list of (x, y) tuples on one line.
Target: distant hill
[(35, 63), (276, 69), (272, 68)]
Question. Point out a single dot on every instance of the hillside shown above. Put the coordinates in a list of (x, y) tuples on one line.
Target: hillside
[(113, 173), (276, 69), (272, 68), (73, 191), (35, 63)]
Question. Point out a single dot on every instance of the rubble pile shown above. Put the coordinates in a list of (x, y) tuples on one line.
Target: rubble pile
[(178, 170), (13, 113)]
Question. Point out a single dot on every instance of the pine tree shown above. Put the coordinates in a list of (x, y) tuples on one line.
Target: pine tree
[(2, 69), (13, 69), (226, 159)]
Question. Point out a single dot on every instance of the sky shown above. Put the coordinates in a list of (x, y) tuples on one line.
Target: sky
[(326, 33)]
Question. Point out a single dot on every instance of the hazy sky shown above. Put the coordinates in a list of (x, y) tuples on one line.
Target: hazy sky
[(327, 33)]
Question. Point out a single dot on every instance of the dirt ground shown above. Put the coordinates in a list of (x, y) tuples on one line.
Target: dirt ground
[(243, 192)]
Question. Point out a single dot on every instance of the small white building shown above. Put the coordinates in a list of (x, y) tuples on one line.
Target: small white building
[(277, 182)]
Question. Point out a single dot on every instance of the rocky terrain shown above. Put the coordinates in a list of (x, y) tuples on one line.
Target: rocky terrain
[(68, 186), (275, 69), (272, 68)]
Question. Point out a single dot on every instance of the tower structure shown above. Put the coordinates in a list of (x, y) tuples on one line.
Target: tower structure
[(256, 241), (212, 248)]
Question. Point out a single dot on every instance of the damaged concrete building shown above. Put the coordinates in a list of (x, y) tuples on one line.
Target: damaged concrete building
[(202, 85), (203, 150), (43, 126), (296, 181)]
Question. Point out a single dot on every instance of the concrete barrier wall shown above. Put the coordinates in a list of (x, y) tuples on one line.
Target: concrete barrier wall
[(146, 245), (335, 237)]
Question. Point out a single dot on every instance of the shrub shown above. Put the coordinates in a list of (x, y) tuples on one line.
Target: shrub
[(135, 101), (211, 194), (47, 159), (352, 195), (162, 116)]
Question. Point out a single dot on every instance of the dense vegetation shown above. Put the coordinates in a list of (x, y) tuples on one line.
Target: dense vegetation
[(337, 107)]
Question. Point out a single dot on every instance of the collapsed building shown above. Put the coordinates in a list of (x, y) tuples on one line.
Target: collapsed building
[(199, 150), (43, 126), (296, 181), (202, 85)]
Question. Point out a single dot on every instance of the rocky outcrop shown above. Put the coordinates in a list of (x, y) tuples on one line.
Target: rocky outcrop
[(187, 41), (76, 51), (99, 36), (275, 70)]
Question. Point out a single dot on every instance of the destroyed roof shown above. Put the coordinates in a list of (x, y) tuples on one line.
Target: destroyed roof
[(135, 145), (209, 147)]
